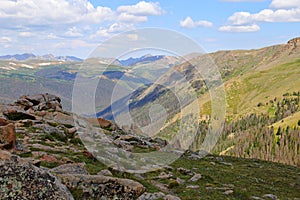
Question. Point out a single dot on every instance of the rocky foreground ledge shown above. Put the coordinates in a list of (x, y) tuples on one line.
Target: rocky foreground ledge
[(42, 156)]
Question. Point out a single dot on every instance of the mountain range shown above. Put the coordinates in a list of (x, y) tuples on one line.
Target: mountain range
[(261, 85), (48, 57), (257, 145), (146, 58)]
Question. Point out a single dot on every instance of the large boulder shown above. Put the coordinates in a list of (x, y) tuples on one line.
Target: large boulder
[(7, 135), (98, 186), (19, 180)]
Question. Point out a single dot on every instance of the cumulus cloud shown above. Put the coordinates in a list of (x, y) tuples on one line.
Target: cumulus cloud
[(279, 11), (285, 4), (188, 22), (247, 28), (105, 32), (68, 20), (33, 12), (73, 32), (139, 12), (142, 8), (130, 18), (266, 15)]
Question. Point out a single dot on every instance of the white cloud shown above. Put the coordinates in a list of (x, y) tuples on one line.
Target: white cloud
[(125, 17), (283, 11), (73, 32), (142, 9), (266, 15), (52, 36), (66, 20), (5, 39), (190, 23), (33, 12), (285, 4), (246, 28), (71, 15), (112, 29), (26, 34), (6, 42)]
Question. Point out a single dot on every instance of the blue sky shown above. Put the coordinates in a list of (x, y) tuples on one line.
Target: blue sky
[(76, 27)]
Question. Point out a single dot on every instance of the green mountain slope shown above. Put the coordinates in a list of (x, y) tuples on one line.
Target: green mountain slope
[(263, 83)]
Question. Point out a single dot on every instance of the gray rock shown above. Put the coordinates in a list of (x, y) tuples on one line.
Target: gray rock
[(164, 175), (256, 198), (226, 163), (195, 178), (76, 168), (151, 196), (192, 186), (185, 171), (228, 192), (270, 196), (171, 197), (98, 186), (105, 172), (139, 176), (50, 129), (180, 181)]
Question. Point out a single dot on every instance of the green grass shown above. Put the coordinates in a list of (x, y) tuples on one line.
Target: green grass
[(93, 166), (25, 155), (245, 92), (49, 164), (248, 177)]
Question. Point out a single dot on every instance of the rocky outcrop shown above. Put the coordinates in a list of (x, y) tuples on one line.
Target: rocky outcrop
[(51, 131), (19, 179), (98, 186), (7, 135), (294, 43), (130, 141), (40, 102)]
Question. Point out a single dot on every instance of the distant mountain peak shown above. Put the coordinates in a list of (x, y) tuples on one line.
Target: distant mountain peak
[(50, 57), (23, 56), (145, 58)]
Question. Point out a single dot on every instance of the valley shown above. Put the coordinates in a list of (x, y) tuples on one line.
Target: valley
[(257, 154)]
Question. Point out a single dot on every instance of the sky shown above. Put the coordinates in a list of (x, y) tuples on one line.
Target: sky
[(77, 27)]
